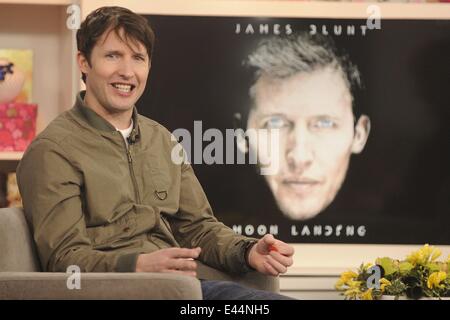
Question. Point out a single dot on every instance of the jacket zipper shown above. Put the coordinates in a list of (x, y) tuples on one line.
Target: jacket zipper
[(133, 177)]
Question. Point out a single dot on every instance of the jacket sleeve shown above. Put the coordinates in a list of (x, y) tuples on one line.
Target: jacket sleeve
[(195, 225), (50, 186)]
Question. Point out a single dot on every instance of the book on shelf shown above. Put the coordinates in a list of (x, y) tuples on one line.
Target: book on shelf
[(3, 202), (13, 197)]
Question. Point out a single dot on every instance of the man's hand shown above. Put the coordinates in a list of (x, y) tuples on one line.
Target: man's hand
[(271, 256), (176, 260)]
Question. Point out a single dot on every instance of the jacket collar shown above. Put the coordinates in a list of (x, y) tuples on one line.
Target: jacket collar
[(99, 123)]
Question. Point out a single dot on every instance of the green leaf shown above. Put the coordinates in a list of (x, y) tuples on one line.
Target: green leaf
[(387, 264), (405, 267), (433, 267)]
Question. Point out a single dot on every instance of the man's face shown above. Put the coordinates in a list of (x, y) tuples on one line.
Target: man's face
[(117, 74), (313, 112)]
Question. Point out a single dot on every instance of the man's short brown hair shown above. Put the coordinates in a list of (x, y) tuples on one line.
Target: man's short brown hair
[(135, 28)]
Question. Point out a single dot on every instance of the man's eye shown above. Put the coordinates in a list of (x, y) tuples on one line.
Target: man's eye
[(275, 123), (325, 124), (111, 55)]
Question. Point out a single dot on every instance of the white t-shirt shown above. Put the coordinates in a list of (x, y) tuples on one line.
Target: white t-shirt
[(126, 132)]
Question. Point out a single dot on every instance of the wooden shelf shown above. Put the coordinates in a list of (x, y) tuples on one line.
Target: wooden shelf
[(40, 26), (11, 155)]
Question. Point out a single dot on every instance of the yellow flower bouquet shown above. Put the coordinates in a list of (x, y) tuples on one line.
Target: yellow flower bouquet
[(419, 275)]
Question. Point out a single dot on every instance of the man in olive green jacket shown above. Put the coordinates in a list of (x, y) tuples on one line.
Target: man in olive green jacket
[(100, 184)]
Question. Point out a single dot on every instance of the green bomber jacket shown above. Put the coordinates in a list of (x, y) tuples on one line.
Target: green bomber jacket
[(95, 203)]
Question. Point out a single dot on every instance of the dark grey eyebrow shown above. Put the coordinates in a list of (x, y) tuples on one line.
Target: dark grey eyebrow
[(114, 52)]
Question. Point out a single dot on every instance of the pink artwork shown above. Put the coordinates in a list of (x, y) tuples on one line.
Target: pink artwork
[(17, 125), (17, 113)]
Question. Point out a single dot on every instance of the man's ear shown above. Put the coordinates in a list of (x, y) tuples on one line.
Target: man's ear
[(241, 142), (362, 130), (83, 63)]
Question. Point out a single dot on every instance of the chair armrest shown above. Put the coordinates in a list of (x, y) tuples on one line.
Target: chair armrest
[(47, 285), (252, 279)]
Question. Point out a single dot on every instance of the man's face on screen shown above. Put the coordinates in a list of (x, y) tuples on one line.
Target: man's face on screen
[(313, 112)]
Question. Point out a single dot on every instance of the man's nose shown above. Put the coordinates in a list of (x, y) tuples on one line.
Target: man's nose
[(126, 69), (299, 151)]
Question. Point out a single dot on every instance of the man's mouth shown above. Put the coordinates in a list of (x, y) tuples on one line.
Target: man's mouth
[(123, 87), (302, 185), (301, 181)]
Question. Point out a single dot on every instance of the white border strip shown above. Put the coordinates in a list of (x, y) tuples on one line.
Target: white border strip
[(292, 9)]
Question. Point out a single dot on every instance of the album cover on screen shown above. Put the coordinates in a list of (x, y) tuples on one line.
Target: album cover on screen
[(316, 130)]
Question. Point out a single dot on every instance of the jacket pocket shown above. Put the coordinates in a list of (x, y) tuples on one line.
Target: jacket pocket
[(161, 184)]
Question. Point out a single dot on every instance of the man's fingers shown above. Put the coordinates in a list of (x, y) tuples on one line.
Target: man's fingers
[(269, 239), (285, 249), (184, 253), (276, 265), (284, 260), (271, 270), (278, 246), (281, 247), (182, 264)]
